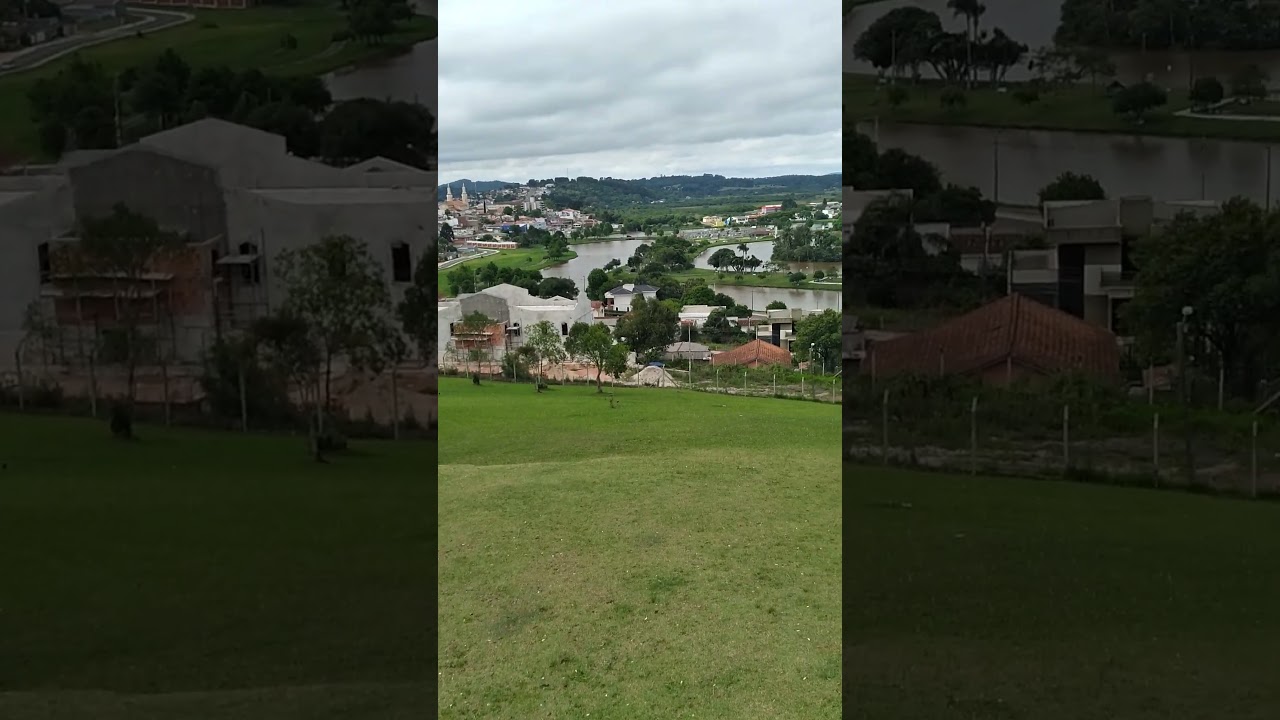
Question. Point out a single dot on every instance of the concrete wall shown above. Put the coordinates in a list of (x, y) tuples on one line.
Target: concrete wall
[(1084, 214), (25, 222), (493, 307), (178, 194), (274, 224)]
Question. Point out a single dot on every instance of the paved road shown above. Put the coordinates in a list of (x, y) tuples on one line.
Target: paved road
[(152, 20)]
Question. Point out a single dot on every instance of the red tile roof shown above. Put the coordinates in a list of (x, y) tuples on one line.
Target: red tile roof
[(755, 353), (1015, 328)]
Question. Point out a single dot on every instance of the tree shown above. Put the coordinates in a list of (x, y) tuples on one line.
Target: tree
[(370, 20), (1226, 267), (446, 233), (286, 343), (1094, 62), (598, 282), (1137, 100), (899, 39), (776, 305), (462, 279), (81, 100), (557, 287), (1070, 186), (972, 10), (294, 122), (616, 362), (1250, 83), (722, 258), (473, 324), (1206, 92), (998, 54), (418, 310), (899, 170), (356, 130), (544, 341), (124, 246), (716, 327), (340, 292), (958, 206), (822, 331), (592, 343), (649, 328), (953, 98)]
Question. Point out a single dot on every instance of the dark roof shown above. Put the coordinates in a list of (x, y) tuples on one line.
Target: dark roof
[(622, 290), (1016, 328), (757, 351)]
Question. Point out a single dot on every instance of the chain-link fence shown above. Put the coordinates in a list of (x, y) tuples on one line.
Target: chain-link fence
[(1063, 428)]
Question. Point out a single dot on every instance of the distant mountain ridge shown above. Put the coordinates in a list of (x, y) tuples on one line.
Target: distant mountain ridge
[(474, 186), (608, 192)]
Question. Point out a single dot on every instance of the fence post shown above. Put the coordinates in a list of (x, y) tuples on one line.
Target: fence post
[(717, 379), (244, 400), (884, 428), (1253, 465), (93, 384), (744, 381), (22, 391), (1155, 447), (775, 383), (973, 436), (801, 387), (833, 391), (164, 381), (395, 406), (1066, 438)]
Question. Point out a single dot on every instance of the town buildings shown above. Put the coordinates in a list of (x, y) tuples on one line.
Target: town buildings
[(238, 196)]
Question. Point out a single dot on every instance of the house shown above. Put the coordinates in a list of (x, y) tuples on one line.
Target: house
[(779, 326), (686, 351), (1085, 267), (512, 308), (621, 297), (696, 315), (237, 195), (1010, 339), (756, 353)]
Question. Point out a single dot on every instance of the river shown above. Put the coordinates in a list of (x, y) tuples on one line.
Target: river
[(1164, 168), (596, 255), (1034, 22)]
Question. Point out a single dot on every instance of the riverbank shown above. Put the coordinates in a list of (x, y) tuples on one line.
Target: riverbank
[(770, 280), (239, 39), (522, 258), (1075, 109)]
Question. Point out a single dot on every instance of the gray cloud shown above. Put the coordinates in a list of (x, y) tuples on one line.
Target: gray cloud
[(637, 88)]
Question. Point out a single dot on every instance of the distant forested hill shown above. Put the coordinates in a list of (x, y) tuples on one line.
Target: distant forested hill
[(587, 192)]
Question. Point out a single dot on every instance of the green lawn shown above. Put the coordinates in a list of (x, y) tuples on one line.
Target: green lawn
[(211, 575), (241, 39), (1082, 108), (675, 556), (1008, 598), (522, 258)]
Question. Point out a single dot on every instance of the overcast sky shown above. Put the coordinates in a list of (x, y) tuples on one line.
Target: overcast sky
[(639, 88)]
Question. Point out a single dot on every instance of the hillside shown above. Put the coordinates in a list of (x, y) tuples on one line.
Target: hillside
[(600, 193), (473, 186)]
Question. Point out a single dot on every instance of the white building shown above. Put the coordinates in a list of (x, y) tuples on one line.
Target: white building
[(621, 297), (515, 309), (697, 315)]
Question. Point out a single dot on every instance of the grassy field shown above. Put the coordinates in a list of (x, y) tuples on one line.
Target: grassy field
[(675, 556), (1005, 598), (1083, 108), (241, 39), (522, 258), (196, 574)]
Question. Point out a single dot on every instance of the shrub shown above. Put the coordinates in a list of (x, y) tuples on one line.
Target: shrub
[(953, 98)]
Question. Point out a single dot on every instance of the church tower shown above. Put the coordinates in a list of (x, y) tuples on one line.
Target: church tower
[(464, 193), (448, 193)]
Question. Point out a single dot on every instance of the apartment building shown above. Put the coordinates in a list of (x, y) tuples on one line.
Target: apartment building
[(240, 199), (1085, 268)]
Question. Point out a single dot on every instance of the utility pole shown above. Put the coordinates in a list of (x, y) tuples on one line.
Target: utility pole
[(995, 167), (1268, 201), (1184, 392)]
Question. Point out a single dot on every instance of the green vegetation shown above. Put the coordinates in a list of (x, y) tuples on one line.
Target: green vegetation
[(524, 259), (764, 280), (238, 39), (587, 192), (213, 575), (1214, 25), (603, 577), (1010, 598), (1081, 108)]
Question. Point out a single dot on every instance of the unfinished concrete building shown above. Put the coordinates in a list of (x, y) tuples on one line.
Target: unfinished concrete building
[(239, 197)]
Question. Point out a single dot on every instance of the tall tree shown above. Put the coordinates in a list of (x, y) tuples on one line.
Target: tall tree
[(418, 310), (648, 328), (338, 289), (122, 248), (972, 10), (1072, 186), (544, 341), (287, 344), (592, 343)]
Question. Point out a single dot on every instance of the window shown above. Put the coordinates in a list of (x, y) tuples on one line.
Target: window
[(401, 263), (564, 329), (42, 254), (249, 271)]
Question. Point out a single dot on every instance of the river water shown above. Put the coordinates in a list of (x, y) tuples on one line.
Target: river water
[(1033, 22)]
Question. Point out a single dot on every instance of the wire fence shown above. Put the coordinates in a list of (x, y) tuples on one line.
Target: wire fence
[(1064, 430)]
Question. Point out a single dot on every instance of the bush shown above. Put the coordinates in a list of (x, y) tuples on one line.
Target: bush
[(953, 98)]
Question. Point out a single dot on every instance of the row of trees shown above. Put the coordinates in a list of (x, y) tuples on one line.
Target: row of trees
[(1167, 24), (84, 106)]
